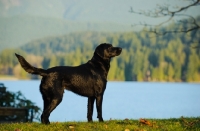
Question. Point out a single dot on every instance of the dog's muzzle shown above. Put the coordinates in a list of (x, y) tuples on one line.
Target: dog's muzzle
[(119, 50)]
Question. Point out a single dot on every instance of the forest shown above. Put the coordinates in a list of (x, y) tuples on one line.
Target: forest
[(173, 57)]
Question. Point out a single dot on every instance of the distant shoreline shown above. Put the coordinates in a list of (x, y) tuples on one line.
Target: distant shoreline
[(8, 78), (12, 78)]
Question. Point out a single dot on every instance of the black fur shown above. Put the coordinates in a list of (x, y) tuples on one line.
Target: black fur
[(87, 80)]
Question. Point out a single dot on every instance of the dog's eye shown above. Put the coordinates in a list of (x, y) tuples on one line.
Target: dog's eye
[(110, 48)]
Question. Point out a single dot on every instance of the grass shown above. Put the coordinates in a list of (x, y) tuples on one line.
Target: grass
[(178, 124)]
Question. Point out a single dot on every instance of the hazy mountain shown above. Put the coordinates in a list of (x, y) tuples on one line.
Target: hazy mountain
[(18, 30), (22, 21)]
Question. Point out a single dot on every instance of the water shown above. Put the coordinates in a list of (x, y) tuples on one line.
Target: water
[(132, 100)]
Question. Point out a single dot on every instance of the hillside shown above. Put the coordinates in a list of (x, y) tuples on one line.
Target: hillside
[(171, 57)]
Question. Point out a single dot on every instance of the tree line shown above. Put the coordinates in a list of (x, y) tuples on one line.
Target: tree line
[(170, 57)]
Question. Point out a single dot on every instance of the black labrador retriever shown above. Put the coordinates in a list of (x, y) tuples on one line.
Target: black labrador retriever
[(87, 80)]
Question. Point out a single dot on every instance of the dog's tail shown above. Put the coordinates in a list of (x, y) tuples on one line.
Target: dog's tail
[(30, 69)]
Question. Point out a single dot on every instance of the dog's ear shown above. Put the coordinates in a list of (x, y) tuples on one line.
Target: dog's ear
[(100, 51)]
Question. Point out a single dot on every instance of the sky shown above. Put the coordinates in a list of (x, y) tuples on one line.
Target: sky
[(90, 10)]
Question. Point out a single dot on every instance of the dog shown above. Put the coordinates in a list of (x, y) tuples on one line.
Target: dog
[(88, 80)]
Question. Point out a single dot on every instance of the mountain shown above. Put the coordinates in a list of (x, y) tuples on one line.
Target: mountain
[(18, 30), (23, 21)]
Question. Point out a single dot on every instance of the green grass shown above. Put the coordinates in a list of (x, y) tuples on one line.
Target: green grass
[(180, 124)]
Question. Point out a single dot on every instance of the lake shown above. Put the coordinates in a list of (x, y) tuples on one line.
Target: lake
[(132, 100)]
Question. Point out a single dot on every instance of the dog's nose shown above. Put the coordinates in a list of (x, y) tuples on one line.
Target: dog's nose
[(119, 50)]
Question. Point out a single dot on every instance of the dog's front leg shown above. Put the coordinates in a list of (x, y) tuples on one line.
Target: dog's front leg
[(99, 101), (90, 108)]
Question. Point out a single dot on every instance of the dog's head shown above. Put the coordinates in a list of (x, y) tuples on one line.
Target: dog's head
[(107, 51)]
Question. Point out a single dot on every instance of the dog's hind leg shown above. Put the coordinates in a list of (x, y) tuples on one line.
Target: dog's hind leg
[(52, 96), (90, 108), (99, 100), (54, 102), (46, 101), (52, 93)]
